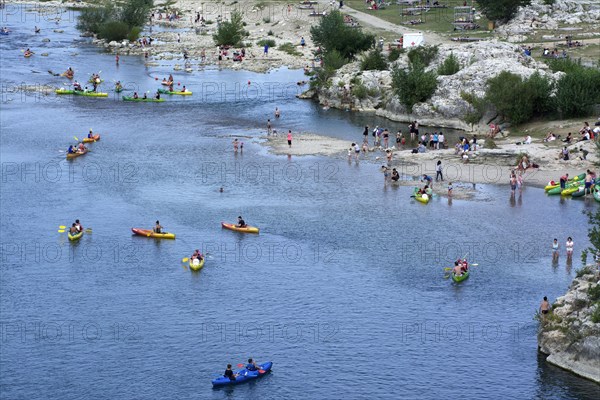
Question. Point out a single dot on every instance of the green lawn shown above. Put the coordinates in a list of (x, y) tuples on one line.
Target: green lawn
[(436, 19)]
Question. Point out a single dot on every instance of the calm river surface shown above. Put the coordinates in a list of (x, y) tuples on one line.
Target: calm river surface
[(343, 289)]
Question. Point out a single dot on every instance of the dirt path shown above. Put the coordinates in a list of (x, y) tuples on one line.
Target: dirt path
[(378, 23)]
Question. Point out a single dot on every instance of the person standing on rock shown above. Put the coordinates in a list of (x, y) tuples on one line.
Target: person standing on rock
[(544, 307), (438, 171)]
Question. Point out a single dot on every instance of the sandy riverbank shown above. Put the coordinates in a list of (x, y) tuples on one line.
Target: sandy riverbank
[(485, 166)]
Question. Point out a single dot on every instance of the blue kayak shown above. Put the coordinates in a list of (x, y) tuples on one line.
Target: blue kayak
[(243, 376)]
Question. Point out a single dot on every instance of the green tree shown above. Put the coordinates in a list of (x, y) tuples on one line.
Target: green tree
[(91, 18), (577, 92), (413, 85), (135, 12), (423, 54), (519, 99), (333, 34), (501, 10), (230, 33)]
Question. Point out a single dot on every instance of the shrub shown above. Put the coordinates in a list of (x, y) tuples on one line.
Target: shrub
[(360, 91), (450, 66), (594, 292), (290, 49), (334, 60), (414, 85), (135, 12), (422, 54), (564, 64), (395, 54), (230, 33), (501, 10), (270, 33), (114, 30), (596, 314), (91, 19), (134, 34), (478, 106), (374, 60), (577, 92), (264, 42), (333, 34)]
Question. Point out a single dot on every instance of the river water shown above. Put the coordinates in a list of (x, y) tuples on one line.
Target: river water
[(343, 289)]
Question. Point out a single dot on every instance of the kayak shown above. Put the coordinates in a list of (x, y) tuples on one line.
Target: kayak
[(118, 90), (243, 375), (76, 154), (574, 179), (27, 55), (420, 198), (580, 192), (76, 236), (65, 75), (197, 267), (150, 233), (98, 81), (64, 91), (148, 100), (89, 94), (597, 194), (460, 278), (246, 229), (92, 139), (165, 91), (570, 190), (166, 83)]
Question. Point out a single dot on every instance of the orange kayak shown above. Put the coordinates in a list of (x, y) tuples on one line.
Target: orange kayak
[(92, 139), (246, 229)]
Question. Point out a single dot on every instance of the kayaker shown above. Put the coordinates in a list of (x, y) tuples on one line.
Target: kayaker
[(457, 270), (183, 89), (170, 79), (241, 223), (71, 149), (76, 86), (157, 96), (90, 134), (197, 255), (135, 95), (545, 306), (427, 179), (78, 225), (73, 230), (145, 96), (251, 366), (569, 246), (229, 373), (563, 180), (157, 227), (428, 191), (118, 85), (81, 148)]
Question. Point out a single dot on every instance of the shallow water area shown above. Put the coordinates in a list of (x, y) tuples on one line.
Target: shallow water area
[(344, 285)]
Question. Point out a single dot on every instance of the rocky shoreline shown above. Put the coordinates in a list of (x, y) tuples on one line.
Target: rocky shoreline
[(570, 333)]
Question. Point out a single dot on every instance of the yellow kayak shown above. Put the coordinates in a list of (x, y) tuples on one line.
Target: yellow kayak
[(246, 229), (76, 236), (197, 267), (569, 191), (89, 94), (151, 233)]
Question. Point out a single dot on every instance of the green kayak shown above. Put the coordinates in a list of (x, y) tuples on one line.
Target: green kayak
[(148, 100), (63, 91), (597, 194), (460, 278), (558, 189)]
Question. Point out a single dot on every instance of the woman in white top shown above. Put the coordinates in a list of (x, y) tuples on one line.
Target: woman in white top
[(555, 249), (569, 246)]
